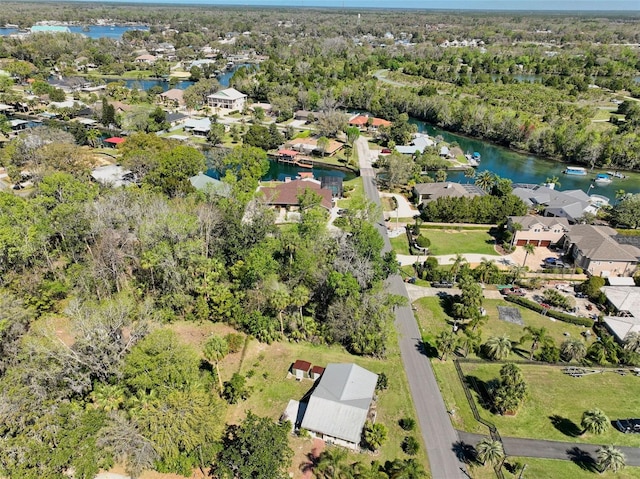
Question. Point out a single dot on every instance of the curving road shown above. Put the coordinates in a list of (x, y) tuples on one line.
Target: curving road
[(437, 431)]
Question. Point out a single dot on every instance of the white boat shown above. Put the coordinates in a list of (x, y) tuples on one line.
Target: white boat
[(602, 180), (575, 170), (615, 174)]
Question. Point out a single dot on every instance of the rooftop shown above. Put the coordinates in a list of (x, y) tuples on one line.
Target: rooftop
[(228, 94), (598, 243)]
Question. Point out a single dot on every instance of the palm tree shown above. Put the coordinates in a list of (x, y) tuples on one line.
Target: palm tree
[(468, 342), (610, 458), (528, 248), (620, 195), (632, 342), (516, 272), (554, 180), (573, 350), (470, 172), (594, 421), (93, 136), (445, 343), (515, 227), (457, 264), (407, 469), (215, 349), (537, 336), (372, 471), (486, 269), (374, 435), (485, 180), (331, 464), (498, 347), (490, 451), (604, 350)]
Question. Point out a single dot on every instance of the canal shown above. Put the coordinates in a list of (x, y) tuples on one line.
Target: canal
[(523, 168)]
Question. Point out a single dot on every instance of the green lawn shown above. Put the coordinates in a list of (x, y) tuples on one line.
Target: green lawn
[(272, 389), (552, 469), (459, 241), (400, 244), (357, 193), (552, 394)]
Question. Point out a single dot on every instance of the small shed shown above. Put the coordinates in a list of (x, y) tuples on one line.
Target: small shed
[(114, 141), (300, 369), (316, 372)]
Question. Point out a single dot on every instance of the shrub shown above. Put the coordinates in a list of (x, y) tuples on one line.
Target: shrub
[(407, 423), (423, 241), (410, 445), (383, 382), (235, 342), (235, 389)]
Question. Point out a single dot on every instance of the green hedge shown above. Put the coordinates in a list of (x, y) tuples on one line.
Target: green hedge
[(567, 318)]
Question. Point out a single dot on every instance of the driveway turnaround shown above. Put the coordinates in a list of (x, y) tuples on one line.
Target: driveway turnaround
[(568, 451), (435, 424)]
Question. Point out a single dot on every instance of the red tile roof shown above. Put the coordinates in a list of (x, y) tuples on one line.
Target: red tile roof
[(301, 365), (286, 194), (361, 120), (116, 140), (288, 152), (317, 370)]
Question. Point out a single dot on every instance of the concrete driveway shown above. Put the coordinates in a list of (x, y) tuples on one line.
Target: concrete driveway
[(405, 209)]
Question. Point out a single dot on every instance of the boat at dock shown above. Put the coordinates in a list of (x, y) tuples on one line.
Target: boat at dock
[(575, 171), (473, 160), (602, 180), (615, 174)]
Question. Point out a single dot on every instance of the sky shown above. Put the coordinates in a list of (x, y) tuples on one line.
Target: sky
[(521, 5)]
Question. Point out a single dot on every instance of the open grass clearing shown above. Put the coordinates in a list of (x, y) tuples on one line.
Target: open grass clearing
[(460, 241), (551, 469), (400, 244), (555, 403)]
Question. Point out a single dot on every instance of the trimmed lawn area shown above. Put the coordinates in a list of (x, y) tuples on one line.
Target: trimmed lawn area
[(266, 367), (357, 193), (400, 244), (555, 403), (448, 241)]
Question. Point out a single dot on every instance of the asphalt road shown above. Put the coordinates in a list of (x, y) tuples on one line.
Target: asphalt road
[(435, 424), (568, 451)]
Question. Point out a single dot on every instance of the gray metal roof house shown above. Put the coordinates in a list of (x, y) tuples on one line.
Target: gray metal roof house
[(339, 405)]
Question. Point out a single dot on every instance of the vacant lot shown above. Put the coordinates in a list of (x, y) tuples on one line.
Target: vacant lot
[(552, 469), (459, 241), (433, 318), (555, 403)]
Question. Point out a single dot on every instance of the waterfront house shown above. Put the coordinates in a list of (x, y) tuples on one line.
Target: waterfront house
[(426, 192), (207, 184), (595, 250), (570, 204), (229, 99), (537, 230), (197, 126), (146, 58), (285, 195), (310, 146), (367, 123), (418, 144)]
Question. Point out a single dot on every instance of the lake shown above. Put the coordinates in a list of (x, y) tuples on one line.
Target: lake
[(95, 31), (523, 168), (181, 85)]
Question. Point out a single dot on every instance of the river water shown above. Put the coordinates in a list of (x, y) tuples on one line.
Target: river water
[(181, 85), (523, 168), (95, 31)]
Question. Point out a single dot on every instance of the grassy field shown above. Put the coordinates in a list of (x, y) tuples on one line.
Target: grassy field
[(555, 403), (552, 469), (459, 241)]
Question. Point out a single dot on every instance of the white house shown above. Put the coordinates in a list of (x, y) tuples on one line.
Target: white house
[(230, 99)]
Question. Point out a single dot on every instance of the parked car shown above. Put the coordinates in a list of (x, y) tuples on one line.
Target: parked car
[(442, 284), (385, 151), (628, 425), (513, 291), (581, 295), (550, 260), (556, 265)]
